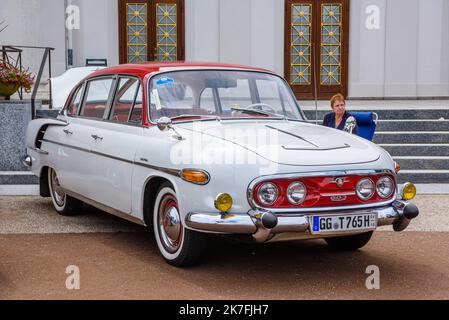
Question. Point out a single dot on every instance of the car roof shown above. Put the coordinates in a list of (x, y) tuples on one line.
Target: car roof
[(142, 69)]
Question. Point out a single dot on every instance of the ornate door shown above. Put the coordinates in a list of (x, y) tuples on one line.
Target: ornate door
[(151, 30), (316, 47)]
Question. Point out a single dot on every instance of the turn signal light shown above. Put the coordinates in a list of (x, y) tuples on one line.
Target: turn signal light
[(408, 191), (195, 176), (397, 167)]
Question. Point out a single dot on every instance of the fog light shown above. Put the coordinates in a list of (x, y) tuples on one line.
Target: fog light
[(223, 202), (408, 191)]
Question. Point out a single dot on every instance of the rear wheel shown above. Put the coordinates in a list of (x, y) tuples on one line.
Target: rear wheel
[(64, 204), (349, 243), (179, 246)]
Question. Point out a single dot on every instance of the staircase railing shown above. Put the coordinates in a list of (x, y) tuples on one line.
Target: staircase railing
[(8, 52)]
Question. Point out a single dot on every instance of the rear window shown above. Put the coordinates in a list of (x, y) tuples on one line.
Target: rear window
[(97, 96)]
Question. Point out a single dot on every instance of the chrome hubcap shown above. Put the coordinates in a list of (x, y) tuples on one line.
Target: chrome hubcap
[(58, 192), (170, 228)]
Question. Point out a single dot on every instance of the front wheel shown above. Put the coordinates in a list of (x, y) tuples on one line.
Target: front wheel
[(349, 243), (179, 246)]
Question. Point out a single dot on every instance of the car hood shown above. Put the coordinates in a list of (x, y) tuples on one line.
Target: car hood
[(290, 142)]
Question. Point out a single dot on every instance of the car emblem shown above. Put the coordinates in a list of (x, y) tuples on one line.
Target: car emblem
[(338, 198), (340, 181)]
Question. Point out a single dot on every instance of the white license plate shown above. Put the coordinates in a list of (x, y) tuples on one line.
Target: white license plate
[(341, 223)]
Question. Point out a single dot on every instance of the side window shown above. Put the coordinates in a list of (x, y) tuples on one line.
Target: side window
[(97, 94), (136, 114), (72, 109), (124, 99)]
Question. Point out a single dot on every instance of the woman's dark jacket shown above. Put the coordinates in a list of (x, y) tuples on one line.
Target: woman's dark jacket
[(329, 121)]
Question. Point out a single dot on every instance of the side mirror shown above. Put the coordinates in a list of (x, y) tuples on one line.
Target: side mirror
[(164, 123), (350, 124)]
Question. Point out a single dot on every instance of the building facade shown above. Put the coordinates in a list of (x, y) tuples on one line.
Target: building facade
[(363, 48)]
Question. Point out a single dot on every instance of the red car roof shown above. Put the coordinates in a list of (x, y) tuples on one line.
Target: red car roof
[(144, 68)]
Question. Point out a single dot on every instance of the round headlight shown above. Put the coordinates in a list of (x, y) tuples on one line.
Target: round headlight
[(268, 193), (296, 193), (223, 202), (408, 191), (365, 189), (385, 187)]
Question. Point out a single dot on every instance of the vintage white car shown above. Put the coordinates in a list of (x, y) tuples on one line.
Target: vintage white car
[(191, 149)]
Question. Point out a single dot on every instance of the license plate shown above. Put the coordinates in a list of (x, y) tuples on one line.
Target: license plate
[(342, 223)]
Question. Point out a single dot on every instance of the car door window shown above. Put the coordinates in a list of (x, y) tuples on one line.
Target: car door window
[(136, 114), (124, 99), (97, 96), (72, 109)]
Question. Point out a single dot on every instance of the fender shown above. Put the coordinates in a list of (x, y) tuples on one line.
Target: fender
[(36, 130)]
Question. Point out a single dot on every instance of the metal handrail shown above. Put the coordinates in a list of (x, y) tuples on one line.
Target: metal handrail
[(18, 63)]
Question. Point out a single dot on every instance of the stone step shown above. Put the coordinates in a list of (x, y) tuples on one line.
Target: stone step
[(424, 176), (413, 125), (17, 178), (437, 150), (423, 163), (399, 137), (409, 125), (398, 114)]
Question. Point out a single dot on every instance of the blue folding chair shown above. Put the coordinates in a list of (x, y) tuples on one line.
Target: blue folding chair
[(366, 123)]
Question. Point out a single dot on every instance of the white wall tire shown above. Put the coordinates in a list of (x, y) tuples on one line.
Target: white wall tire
[(64, 204), (178, 246)]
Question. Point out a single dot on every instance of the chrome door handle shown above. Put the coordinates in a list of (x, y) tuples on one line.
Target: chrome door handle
[(96, 137), (67, 131)]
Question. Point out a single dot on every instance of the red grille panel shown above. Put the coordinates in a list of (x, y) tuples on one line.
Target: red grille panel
[(324, 191)]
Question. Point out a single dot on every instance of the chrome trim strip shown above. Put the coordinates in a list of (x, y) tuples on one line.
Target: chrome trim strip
[(221, 223), (173, 172), (338, 194), (38, 150), (320, 149), (368, 172), (293, 135), (105, 208)]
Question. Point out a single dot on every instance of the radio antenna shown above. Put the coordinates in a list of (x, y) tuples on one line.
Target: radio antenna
[(314, 82)]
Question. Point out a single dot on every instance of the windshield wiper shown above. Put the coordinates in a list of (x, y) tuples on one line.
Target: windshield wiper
[(265, 113)]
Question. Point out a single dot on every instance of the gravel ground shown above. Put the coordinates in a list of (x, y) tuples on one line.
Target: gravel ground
[(32, 214)]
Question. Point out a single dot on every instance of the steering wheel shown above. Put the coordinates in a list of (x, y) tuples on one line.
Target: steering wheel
[(255, 105)]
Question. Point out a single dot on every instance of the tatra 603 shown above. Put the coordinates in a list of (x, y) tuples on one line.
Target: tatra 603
[(194, 149)]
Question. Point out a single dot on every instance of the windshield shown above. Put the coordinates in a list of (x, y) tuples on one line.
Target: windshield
[(197, 94)]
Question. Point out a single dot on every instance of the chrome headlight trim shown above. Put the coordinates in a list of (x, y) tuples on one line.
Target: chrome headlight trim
[(290, 191), (373, 187), (268, 185), (383, 196)]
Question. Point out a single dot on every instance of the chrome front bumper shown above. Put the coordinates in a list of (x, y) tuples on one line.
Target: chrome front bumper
[(263, 225)]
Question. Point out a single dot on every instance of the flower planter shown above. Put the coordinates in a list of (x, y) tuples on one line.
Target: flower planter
[(7, 89)]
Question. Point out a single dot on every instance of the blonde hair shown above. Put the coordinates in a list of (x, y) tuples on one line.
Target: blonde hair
[(337, 97)]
